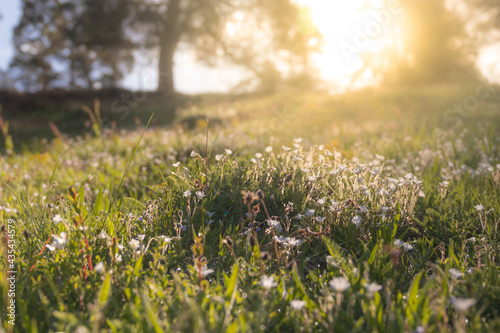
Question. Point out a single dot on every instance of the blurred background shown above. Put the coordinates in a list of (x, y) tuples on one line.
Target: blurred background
[(63, 53)]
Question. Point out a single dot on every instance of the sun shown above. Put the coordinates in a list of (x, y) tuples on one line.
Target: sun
[(341, 23)]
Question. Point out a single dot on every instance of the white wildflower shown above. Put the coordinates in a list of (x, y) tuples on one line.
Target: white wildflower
[(372, 287), (274, 224), (99, 268), (455, 273), (57, 219), (297, 304), (310, 212), (103, 235), (462, 304), (291, 241), (357, 221), (407, 247), (339, 284), (60, 242), (267, 282), (134, 244)]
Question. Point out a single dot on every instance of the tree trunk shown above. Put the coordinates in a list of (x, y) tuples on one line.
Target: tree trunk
[(166, 67), (169, 38)]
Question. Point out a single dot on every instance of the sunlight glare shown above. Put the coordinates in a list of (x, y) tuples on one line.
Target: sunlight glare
[(339, 22)]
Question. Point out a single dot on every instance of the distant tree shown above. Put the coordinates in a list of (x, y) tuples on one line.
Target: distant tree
[(203, 25), (427, 42), (86, 35), (36, 39), (95, 39), (485, 17)]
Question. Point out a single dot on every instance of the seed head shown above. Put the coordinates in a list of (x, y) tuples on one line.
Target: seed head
[(264, 256), (228, 241)]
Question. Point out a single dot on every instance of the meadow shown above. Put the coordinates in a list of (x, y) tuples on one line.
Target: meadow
[(370, 211)]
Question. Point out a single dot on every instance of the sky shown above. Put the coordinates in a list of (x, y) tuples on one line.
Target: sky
[(337, 20)]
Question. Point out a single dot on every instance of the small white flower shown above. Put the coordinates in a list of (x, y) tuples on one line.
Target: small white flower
[(361, 209), (194, 154), (57, 219), (175, 165), (321, 201), (357, 221), (200, 194), (219, 157), (269, 149), (60, 242), (339, 284), (407, 247), (310, 212), (274, 224), (286, 148), (331, 262), (118, 257), (267, 282), (166, 240), (320, 219), (297, 304), (462, 304), (205, 271), (290, 241), (134, 244), (455, 273), (50, 247), (297, 217), (99, 268), (228, 151), (187, 194), (258, 155), (479, 208), (103, 235), (141, 237), (372, 287), (210, 214), (84, 228), (398, 243), (279, 239)]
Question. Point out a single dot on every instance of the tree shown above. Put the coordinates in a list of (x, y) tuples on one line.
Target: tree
[(202, 24), (86, 35), (426, 43), (36, 40), (96, 38)]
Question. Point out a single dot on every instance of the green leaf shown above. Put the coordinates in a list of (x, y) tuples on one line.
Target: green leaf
[(232, 282), (104, 292), (138, 266)]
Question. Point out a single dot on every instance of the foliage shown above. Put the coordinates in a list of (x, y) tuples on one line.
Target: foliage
[(180, 230)]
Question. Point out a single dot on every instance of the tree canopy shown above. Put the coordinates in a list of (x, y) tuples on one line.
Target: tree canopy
[(95, 39)]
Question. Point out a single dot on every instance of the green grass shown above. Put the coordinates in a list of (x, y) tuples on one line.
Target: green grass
[(169, 231)]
